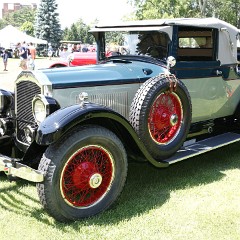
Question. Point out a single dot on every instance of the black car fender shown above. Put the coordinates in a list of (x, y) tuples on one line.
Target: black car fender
[(64, 119)]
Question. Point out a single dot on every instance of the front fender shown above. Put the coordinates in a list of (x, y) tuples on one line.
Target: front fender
[(61, 121), (58, 123)]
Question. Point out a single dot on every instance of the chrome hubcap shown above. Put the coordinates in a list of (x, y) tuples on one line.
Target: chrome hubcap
[(95, 180)]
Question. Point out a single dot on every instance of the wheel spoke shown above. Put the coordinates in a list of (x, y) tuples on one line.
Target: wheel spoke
[(87, 176), (165, 118)]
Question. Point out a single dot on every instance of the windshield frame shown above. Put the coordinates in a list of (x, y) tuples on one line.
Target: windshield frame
[(102, 43)]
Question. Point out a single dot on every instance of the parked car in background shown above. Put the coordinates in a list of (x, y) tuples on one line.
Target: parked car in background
[(170, 93), (76, 59)]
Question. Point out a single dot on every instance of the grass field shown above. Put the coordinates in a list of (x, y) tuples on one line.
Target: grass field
[(195, 199)]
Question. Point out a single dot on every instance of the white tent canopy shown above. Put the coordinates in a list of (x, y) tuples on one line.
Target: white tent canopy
[(10, 36)]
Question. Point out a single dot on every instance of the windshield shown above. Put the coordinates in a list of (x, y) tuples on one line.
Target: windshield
[(146, 43)]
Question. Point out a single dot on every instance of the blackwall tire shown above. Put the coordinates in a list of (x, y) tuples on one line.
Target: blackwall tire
[(84, 173), (161, 116)]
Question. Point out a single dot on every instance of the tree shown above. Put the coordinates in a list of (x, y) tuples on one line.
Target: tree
[(227, 10), (2, 24), (73, 33), (155, 9), (202, 5), (47, 22), (23, 19), (28, 28), (78, 31)]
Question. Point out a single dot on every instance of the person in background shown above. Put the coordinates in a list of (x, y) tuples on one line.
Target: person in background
[(64, 53), (22, 55), (74, 48), (5, 59), (31, 56), (78, 48), (50, 51), (84, 48), (70, 47)]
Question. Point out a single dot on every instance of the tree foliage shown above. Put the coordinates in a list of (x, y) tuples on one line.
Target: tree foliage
[(22, 19), (47, 25), (154, 9), (227, 10), (78, 31)]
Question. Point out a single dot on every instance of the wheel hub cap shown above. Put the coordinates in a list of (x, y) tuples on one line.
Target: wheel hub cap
[(95, 180), (87, 176), (165, 118)]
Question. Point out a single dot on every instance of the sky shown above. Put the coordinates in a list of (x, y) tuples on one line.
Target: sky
[(72, 10)]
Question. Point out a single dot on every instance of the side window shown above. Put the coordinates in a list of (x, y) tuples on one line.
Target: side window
[(154, 44), (195, 45)]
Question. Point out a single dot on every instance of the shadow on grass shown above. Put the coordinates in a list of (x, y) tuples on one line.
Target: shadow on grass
[(9, 194), (146, 188)]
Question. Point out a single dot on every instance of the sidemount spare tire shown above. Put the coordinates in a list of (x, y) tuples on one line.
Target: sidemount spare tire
[(161, 115)]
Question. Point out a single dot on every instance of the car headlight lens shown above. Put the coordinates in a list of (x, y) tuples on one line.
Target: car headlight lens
[(39, 110), (43, 106)]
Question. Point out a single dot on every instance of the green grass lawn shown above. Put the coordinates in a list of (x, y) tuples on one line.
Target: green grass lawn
[(198, 199)]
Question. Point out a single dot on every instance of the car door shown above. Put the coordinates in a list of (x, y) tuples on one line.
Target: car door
[(198, 68)]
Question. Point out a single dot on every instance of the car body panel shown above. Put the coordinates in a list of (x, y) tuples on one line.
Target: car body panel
[(76, 59), (213, 84), (83, 58), (101, 74)]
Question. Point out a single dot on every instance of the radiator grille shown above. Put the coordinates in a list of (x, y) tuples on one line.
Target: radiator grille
[(25, 92)]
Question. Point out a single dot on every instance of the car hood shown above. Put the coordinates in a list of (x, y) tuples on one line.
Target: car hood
[(112, 72)]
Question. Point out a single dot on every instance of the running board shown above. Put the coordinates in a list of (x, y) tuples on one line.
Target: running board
[(203, 146)]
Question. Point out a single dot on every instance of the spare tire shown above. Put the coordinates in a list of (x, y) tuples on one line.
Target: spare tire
[(161, 116)]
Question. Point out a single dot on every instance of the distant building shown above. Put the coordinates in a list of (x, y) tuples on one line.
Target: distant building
[(12, 7)]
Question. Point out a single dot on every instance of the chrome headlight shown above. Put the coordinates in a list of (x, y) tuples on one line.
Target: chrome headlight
[(6, 100), (43, 106), (39, 110)]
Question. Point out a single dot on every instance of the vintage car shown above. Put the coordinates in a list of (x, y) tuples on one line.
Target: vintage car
[(171, 93), (76, 59)]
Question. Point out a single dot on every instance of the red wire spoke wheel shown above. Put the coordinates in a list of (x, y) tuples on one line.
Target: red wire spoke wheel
[(161, 116), (85, 172), (87, 176), (165, 118)]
